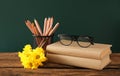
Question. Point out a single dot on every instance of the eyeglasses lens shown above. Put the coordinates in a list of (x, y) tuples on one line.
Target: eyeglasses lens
[(84, 41), (65, 40)]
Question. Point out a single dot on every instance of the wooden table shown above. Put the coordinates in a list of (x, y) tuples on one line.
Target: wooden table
[(11, 66)]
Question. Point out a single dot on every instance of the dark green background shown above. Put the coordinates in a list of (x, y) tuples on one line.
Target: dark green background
[(98, 18)]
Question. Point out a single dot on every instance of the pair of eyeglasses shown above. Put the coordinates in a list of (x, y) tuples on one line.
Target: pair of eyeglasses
[(82, 41)]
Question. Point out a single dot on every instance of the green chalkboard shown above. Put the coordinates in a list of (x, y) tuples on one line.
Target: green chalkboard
[(98, 18)]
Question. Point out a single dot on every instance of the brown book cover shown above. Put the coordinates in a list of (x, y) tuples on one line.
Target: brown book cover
[(96, 51), (78, 61)]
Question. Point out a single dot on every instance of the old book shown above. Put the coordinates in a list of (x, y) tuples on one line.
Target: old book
[(78, 61), (96, 51)]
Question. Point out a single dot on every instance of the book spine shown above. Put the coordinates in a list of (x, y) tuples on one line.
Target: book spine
[(79, 62)]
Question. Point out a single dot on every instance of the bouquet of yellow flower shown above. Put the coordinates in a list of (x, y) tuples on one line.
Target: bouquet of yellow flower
[(32, 58)]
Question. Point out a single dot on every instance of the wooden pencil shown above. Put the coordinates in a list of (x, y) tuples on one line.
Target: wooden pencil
[(38, 26), (54, 29), (44, 28)]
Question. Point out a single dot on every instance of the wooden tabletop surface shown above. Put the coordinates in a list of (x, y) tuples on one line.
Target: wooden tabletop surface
[(10, 66)]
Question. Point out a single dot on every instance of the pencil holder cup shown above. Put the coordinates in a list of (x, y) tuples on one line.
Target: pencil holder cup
[(42, 41)]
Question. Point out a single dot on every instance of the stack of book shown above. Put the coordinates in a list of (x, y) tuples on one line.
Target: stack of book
[(96, 56)]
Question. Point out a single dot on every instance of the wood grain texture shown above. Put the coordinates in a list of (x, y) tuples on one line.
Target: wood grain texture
[(11, 66)]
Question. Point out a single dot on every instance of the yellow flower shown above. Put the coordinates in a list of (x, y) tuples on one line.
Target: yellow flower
[(32, 58), (27, 48)]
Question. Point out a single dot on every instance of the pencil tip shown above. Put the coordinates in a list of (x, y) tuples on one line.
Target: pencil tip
[(52, 17)]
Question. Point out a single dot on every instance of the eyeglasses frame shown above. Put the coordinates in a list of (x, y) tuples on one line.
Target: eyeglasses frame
[(75, 38)]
